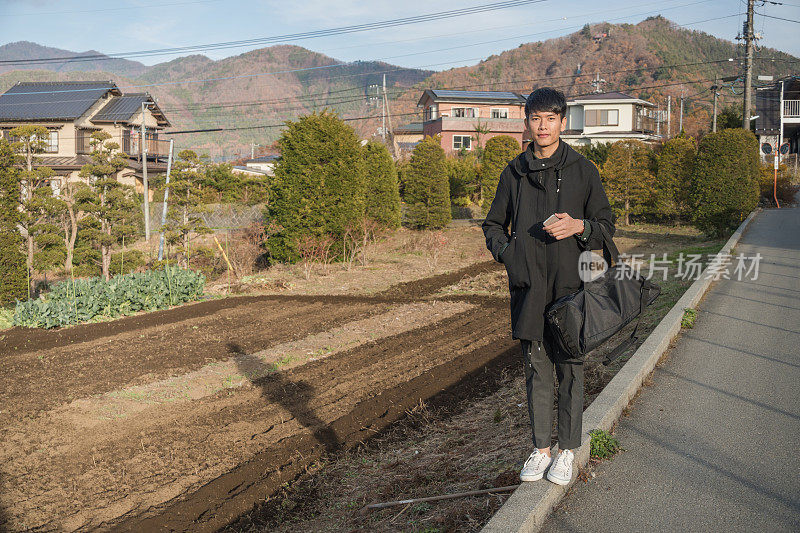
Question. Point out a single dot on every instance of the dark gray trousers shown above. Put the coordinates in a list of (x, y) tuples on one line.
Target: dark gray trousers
[(539, 359)]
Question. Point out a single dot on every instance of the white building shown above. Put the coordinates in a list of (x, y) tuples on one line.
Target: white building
[(610, 117)]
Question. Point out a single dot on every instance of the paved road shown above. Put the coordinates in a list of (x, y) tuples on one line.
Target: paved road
[(712, 445)]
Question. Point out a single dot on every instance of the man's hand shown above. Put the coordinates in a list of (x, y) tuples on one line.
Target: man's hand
[(565, 227)]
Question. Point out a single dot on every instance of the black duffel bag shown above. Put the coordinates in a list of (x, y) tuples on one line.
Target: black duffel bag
[(582, 321)]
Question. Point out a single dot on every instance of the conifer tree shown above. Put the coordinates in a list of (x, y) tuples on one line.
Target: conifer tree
[(318, 187), (427, 189), (628, 178), (13, 277), (382, 190), (111, 204), (498, 152)]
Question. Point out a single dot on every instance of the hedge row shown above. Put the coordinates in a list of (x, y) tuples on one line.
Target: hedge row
[(73, 302)]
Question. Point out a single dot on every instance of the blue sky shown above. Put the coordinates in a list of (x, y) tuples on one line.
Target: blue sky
[(133, 25)]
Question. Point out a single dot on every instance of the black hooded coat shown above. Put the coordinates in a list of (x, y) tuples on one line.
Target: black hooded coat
[(542, 268)]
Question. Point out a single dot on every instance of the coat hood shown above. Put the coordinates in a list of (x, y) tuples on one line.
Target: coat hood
[(564, 156)]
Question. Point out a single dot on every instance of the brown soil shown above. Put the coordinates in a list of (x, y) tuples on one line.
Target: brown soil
[(197, 465)]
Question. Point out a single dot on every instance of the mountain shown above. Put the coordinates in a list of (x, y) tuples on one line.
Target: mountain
[(264, 86), (283, 82), (631, 58), (22, 50)]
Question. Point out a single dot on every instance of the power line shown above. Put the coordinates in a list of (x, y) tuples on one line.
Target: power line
[(335, 65), (292, 36), (778, 18)]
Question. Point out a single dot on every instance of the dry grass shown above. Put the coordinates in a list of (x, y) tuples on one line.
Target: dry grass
[(481, 445), (429, 453)]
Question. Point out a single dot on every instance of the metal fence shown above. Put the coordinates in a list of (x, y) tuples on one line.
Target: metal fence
[(218, 217)]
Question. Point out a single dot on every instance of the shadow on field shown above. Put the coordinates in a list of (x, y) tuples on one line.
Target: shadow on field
[(294, 396)]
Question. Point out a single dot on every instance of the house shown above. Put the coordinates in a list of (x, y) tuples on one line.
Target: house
[(610, 117), (778, 116), (264, 164), (465, 119), (72, 110), (406, 137)]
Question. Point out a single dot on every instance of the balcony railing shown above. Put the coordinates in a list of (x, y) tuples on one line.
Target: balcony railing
[(155, 147), (791, 108)]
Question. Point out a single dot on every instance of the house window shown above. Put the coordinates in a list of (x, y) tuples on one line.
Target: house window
[(462, 141), (465, 112), (601, 117), (499, 112), (51, 143)]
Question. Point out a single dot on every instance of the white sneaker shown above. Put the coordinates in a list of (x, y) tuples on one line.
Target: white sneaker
[(561, 471), (535, 465)]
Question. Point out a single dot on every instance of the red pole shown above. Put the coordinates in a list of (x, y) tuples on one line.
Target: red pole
[(775, 183)]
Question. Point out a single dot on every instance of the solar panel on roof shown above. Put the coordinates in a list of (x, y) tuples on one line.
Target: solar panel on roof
[(51, 100)]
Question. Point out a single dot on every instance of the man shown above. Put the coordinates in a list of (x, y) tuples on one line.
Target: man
[(548, 178)]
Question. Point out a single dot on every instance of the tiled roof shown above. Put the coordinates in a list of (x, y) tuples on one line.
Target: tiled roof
[(64, 162), (413, 127), (52, 100), (122, 108)]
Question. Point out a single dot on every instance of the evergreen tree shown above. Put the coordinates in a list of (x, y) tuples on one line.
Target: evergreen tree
[(319, 184), (13, 277), (30, 140), (111, 204), (462, 173), (675, 165), (628, 178), (185, 208), (597, 153), (382, 190), (725, 180), (427, 190), (496, 156)]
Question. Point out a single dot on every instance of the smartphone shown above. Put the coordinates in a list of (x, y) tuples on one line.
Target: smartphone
[(552, 218)]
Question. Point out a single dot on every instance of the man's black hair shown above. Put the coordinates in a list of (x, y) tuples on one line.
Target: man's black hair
[(548, 100)]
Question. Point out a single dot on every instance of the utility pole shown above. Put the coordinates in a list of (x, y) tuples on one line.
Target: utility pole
[(680, 120), (669, 116), (164, 209), (714, 88), (748, 65), (383, 114), (389, 117), (144, 179)]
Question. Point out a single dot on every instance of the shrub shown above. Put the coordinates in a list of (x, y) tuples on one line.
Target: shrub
[(75, 301), (427, 191), (496, 155), (785, 188), (127, 261), (725, 180), (382, 190), (319, 183), (675, 166)]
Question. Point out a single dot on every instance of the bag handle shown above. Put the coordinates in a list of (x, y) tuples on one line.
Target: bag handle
[(610, 251)]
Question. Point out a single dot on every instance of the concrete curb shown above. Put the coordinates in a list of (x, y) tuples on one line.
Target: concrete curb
[(528, 507)]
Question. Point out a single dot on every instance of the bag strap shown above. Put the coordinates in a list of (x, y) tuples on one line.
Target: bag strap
[(516, 210), (610, 251)]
